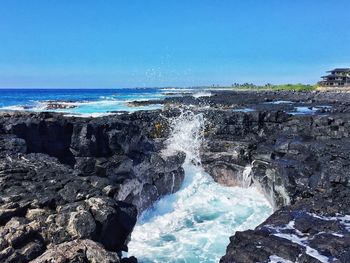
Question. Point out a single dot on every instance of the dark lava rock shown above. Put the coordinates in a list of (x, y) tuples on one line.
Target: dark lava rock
[(311, 230), (79, 251), (301, 163), (71, 188)]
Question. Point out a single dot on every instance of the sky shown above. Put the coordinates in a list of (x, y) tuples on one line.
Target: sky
[(134, 43)]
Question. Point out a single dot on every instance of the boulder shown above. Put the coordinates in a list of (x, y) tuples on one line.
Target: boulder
[(80, 251)]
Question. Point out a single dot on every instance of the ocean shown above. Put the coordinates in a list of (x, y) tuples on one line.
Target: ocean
[(81, 101), (192, 225), (89, 102)]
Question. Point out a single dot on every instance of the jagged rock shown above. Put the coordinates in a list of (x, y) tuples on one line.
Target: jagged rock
[(81, 224), (13, 144), (293, 159), (65, 179), (101, 208), (85, 164), (312, 228), (80, 251), (116, 230)]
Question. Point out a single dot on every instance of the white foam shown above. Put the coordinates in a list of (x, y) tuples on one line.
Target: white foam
[(13, 108), (342, 219), (300, 239), (187, 135), (36, 106), (277, 259), (202, 94), (243, 110), (94, 108), (303, 110), (283, 193), (247, 178), (194, 224), (277, 102), (112, 97)]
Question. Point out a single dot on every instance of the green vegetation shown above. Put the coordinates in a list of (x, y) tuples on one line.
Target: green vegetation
[(291, 87), (294, 87)]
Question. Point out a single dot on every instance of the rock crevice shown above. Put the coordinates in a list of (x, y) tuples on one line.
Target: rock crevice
[(71, 188), (77, 182)]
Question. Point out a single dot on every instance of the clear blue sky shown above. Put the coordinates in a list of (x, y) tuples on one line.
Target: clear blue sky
[(128, 43)]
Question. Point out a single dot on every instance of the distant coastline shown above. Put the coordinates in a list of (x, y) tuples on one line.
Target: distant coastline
[(234, 86)]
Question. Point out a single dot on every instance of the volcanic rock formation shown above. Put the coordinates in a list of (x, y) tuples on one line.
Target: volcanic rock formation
[(71, 188), (69, 182)]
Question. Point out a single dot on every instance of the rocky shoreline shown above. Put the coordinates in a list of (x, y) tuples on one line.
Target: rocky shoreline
[(65, 179), (71, 188)]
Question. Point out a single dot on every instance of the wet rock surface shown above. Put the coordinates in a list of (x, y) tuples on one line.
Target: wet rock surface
[(71, 189), (314, 229), (300, 161), (290, 156), (78, 251), (295, 147)]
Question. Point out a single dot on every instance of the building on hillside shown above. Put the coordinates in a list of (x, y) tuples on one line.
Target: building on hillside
[(339, 77)]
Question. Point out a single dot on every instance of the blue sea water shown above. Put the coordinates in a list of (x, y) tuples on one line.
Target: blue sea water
[(86, 101), (192, 225)]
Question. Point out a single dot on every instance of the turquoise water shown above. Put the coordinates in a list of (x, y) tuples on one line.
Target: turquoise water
[(85, 101), (194, 224), (89, 102)]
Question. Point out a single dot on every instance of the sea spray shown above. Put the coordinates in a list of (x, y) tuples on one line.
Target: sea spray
[(246, 176), (186, 135), (202, 94), (194, 224)]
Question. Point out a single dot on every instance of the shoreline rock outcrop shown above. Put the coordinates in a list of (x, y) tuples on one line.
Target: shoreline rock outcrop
[(77, 184), (294, 147), (65, 180), (301, 162)]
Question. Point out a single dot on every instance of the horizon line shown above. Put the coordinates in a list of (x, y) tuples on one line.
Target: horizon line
[(158, 87)]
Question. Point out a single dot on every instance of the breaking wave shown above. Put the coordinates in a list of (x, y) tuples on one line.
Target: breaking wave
[(194, 224)]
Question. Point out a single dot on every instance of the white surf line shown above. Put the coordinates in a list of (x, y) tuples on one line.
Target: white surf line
[(277, 259), (300, 239), (194, 224), (342, 219)]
